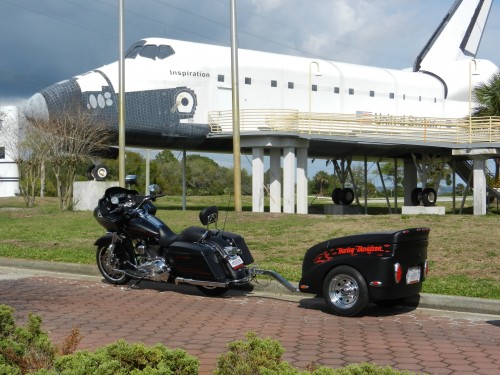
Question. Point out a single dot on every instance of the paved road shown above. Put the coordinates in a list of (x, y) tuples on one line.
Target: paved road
[(422, 340)]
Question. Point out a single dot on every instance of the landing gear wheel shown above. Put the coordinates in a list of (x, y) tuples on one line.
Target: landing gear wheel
[(345, 291), (416, 196), (336, 195), (429, 197), (100, 172), (346, 196), (107, 265), (89, 172), (212, 291)]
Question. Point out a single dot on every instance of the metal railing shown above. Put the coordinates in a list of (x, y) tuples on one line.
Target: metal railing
[(418, 129)]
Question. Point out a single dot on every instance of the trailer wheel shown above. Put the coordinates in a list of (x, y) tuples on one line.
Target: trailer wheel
[(345, 291), (416, 196), (336, 195), (347, 196), (429, 197)]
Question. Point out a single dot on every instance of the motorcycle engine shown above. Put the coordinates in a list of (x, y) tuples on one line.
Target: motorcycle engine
[(156, 269), (152, 266)]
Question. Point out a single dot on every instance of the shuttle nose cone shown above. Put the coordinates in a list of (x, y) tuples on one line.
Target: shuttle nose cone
[(36, 108), (51, 102)]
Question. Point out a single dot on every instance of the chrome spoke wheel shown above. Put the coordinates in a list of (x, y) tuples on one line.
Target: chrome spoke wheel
[(344, 291), (108, 265)]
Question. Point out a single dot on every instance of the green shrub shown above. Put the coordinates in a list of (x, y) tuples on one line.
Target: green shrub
[(23, 349), (122, 358), (257, 356), (28, 350)]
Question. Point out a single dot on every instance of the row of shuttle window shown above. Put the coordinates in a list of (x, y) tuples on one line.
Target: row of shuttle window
[(336, 90)]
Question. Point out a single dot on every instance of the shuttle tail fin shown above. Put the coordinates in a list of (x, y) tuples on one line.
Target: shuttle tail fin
[(457, 37)]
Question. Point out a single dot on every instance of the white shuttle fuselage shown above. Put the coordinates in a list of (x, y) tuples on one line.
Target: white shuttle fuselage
[(171, 86)]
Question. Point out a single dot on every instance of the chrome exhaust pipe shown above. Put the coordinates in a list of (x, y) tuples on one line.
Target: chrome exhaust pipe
[(212, 284)]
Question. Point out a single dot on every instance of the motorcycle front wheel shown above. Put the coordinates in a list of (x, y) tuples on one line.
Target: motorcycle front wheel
[(108, 265)]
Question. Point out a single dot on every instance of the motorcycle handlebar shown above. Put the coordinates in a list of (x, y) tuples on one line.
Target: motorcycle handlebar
[(130, 210)]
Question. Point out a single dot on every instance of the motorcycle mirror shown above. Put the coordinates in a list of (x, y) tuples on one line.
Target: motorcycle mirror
[(209, 215), (131, 179), (154, 189)]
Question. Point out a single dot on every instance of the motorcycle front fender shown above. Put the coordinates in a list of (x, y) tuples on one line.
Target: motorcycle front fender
[(104, 240)]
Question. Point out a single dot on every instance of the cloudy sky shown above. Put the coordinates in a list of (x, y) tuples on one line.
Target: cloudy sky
[(45, 41)]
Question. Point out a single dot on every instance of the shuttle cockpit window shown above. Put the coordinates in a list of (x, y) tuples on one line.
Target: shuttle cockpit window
[(150, 51), (134, 49), (165, 51)]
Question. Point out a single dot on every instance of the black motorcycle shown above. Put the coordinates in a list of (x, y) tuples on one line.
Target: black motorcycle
[(138, 245), (349, 272)]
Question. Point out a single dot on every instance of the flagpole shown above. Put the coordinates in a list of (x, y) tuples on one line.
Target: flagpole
[(236, 111)]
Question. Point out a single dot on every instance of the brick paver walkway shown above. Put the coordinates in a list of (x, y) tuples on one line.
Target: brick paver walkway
[(417, 340)]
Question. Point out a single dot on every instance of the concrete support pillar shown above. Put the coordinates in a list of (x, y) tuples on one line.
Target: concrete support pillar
[(257, 179), (409, 180), (480, 195), (289, 180), (302, 181), (275, 183)]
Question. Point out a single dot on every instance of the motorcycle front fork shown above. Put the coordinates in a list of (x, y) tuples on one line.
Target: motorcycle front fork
[(110, 259)]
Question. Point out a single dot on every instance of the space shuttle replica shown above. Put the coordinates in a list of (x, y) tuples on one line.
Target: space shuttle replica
[(171, 86), (178, 95)]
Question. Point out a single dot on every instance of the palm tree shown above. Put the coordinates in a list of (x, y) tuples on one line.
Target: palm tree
[(487, 96)]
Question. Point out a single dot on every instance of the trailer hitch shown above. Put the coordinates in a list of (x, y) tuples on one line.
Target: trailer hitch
[(278, 278)]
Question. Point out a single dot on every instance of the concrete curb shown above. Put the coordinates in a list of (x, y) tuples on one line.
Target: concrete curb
[(273, 289)]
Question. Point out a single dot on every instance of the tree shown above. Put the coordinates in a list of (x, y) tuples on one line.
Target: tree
[(204, 176), (320, 181), (26, 149), (65, 142), (487, 97), (387, 170), (166, 172)]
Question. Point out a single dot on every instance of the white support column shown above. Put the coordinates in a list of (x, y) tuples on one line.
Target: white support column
[(275, 176), (302, 180), (409, 180), (257, 179), (479, 187), (289, 180)]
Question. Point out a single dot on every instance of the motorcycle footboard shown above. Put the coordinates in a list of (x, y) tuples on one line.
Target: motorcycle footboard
[(278, 278)]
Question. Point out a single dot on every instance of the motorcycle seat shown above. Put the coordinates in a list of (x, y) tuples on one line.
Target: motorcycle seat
[(167, 236), (192, 234)]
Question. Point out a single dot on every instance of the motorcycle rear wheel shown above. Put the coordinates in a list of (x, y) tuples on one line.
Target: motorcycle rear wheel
[(212, 291), (108, 267)]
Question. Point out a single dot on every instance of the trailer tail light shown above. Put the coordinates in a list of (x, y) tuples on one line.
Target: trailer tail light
[(426, 268), (398, 273)]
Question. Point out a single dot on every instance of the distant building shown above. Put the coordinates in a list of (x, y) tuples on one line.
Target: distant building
[(9, 130)]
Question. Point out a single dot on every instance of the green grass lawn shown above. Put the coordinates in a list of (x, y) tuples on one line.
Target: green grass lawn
[(464, 250)]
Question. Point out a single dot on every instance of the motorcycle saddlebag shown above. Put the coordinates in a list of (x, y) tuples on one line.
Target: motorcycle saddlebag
[(199, 262), (240, 243)]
